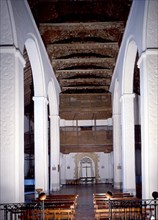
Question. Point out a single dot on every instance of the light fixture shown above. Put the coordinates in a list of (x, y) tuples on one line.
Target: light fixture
[(108, 194), (155, 195), (42, 196), (39, 190)]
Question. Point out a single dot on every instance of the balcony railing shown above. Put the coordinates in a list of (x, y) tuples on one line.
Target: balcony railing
[(85, 137), (85, 106), (133, 209)]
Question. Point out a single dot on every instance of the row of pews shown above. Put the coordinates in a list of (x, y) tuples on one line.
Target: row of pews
[(50, 207), (119, 206)]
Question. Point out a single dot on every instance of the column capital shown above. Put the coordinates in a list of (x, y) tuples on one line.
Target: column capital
[(54, 116), (144, 54), (40, 98), (11, 49), (127, 96), (116, 115)]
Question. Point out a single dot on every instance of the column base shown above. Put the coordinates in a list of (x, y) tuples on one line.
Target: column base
[(117, 185), (55, 187), (131, 191)]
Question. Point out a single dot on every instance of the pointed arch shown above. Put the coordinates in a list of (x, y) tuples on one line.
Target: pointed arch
[(128, 66), (116, 104), (86, 167), (92, 156), (53, 98), (36, 65)]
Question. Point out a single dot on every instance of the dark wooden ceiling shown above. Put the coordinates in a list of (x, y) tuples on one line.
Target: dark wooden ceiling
[(82, 38), (61, 11)]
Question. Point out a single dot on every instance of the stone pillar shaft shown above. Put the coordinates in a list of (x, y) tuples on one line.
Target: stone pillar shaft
[(11, 125), (41, 142), (148, 64), (128, 144), (54, 153), (117, 151)]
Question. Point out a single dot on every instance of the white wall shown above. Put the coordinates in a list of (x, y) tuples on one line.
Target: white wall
[(70, 165), (105, 167)]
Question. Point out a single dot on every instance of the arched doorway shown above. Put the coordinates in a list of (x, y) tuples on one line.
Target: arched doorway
[(86, 170)]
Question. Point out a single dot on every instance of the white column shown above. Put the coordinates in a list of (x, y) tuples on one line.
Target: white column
[(148, 64), (41, 142), (11, 125), (117, 151), (63, 169), (128, 144), (54, 153)]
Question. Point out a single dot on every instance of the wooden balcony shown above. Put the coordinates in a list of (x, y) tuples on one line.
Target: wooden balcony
[(86, 141), (85, 106)]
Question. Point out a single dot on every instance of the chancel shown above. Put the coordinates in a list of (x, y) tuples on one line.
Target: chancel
[(79, 105)]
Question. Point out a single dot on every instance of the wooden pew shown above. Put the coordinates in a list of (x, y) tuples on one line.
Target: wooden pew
[(55, 207), (101, 197), (118, 208), (47, 214), (115, 194), (63, 199), (122, 208)]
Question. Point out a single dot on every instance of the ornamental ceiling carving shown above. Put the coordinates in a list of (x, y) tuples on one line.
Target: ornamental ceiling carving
[(82, 38)]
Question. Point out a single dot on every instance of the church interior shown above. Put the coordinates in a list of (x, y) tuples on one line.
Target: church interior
[(79, 109), (82, 39)]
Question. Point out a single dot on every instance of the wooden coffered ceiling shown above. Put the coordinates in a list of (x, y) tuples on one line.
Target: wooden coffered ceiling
[(82, 38)]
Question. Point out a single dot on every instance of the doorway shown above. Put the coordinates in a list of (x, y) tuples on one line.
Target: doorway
[(86, 169)]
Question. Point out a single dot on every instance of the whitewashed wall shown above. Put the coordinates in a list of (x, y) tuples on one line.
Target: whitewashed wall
[(105, 167)]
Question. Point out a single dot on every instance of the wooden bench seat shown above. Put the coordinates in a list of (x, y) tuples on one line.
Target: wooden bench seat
[(114, 195), (117, 208), (48, 201), (47, 214), (62, 196), (60, 206), (118, 213), (121, 208), (55, 207)]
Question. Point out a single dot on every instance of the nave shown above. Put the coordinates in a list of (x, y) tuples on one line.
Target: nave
[(85, 206)]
